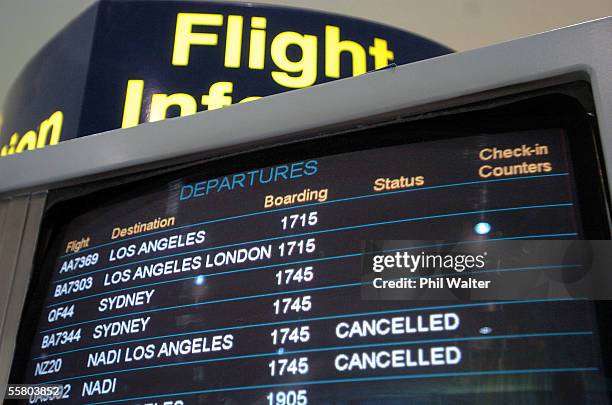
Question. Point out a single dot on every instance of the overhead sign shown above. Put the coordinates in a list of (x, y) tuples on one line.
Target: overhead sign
[(122, 63)]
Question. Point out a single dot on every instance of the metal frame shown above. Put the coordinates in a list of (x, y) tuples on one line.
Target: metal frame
[(583, 48), (582, 51), (20, 220)]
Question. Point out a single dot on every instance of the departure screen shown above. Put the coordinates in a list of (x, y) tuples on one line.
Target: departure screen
[(244, 288)]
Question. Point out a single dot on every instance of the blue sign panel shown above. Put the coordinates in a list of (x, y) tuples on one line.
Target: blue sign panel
[(123, 63)]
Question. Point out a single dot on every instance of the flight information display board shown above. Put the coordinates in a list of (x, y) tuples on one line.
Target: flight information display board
[(245, 288)]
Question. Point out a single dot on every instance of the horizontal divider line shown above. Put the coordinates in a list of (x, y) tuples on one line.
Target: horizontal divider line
[(240, 298), (361, 379), (316, 260), (314, 319), (312, 289), (371, 195), (319, 232), (325, 349)]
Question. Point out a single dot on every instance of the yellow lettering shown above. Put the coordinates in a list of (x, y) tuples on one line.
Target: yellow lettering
[(334, 48), (257, 47), (381, 53), (247, 99), (133, 101), (54, 124), (11, 146), (216, 97), (161, 102), (27, 142), (32, 140), (233, 41), (184, 36), (306, 66)]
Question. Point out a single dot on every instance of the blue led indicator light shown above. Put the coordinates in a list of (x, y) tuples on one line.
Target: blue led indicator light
[(482, 228)]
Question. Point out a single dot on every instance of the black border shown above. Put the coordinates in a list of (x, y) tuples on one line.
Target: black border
[(567, 106)]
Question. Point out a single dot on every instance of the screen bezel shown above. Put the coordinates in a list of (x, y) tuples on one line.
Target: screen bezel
[(567, 106)]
